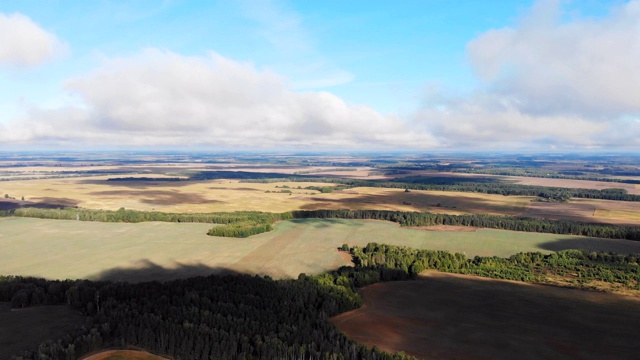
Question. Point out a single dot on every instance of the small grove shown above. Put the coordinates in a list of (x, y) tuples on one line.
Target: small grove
[(252, 317), (247, 223)]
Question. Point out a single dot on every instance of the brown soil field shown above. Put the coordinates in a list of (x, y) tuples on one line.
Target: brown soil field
[(574, 184), (24, 329), (448, 316), (124, 355)]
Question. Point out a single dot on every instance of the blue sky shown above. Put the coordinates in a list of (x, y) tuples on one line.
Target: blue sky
[(536, 75)]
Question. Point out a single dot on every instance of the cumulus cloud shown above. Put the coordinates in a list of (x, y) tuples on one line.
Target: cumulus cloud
[(24, 44), (551, 79), (162, 98)]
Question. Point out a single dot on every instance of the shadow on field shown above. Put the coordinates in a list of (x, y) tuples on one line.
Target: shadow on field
[(147, 270), (593, 244), (325, 223), (157, 197), (138, 184), (40, 203), (422, 201)]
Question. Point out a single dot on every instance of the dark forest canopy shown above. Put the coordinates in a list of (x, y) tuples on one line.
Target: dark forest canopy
[(252, 317)]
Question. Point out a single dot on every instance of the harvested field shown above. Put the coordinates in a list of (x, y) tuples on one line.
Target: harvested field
[(588, 210), (232, 195), (448, 316), (24, 329), (64, 249), (124, 355), (573, 184)]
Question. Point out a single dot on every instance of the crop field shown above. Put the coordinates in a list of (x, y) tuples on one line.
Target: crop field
[(61, 249), (449, 316), (575, 184), (23, 329), (233, 195)]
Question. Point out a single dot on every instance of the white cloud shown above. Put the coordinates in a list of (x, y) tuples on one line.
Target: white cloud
[(582, 66), (162, 98), (549, 80), (23, 43)]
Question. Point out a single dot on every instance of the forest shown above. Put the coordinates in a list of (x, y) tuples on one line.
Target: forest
[(252, 317)]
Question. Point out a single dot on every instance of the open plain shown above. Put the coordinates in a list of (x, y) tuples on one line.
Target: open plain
[(61, 249)]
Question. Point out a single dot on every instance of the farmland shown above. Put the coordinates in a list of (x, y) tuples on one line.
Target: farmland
[(168, 250), (233, 195), (23, 329), (447, 316)]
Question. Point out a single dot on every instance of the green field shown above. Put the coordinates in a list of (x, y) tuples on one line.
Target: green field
[(60, 249)]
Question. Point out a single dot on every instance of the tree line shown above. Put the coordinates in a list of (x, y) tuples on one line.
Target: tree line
[(469, 185), (246, 223)]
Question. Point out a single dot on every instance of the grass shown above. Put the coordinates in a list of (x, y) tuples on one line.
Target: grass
[(25, 329), (63, 249)]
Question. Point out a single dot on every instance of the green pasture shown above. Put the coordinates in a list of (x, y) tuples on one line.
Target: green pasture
[(60, 249)]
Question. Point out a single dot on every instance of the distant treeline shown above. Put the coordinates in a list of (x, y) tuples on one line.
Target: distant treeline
[(249, 317), (482, 185), (247, 223)]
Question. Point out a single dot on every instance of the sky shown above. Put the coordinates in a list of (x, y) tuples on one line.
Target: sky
[(546, 75)]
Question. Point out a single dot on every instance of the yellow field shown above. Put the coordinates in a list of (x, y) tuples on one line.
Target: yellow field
[(231, 195), (631, 216)]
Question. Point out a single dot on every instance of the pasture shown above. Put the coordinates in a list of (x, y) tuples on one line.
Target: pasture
[(61, 249), (24, 329), (451, 316)]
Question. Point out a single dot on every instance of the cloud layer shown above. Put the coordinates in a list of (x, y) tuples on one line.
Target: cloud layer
[(162, 98), (25, 44), (549, 81)]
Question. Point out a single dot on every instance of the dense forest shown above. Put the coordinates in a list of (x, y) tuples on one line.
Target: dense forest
[(247, 223), (252, 317)]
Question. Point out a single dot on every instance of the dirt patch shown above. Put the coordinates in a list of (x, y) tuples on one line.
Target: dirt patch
[(124, 354), (445, 228), (446, 316)]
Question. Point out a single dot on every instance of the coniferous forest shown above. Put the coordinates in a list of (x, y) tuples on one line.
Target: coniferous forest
[(253, 317)]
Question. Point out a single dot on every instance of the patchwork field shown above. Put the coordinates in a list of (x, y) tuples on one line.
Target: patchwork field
[(23, 329), (63, 249), (232, 195), (447, 316)]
